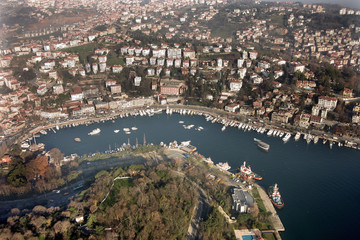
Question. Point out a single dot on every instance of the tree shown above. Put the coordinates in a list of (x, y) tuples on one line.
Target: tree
[(37, 168)]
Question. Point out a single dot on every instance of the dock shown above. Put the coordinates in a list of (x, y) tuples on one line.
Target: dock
[(275, 219)]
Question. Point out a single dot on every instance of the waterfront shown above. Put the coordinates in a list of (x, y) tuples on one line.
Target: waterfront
[(319, 185)]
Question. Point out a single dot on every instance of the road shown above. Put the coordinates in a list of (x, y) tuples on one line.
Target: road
[(49, 199)]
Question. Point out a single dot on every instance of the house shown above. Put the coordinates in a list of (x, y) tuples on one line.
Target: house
[(348, 93), (235, 85), (232, 107), (242, 200)]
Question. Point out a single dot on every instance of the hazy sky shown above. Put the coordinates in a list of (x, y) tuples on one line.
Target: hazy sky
[(345, 3)]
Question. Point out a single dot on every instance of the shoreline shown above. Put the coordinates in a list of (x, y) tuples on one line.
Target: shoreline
[(220, 114)]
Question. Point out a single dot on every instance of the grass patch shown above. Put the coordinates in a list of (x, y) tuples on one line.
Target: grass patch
[(73, 175), (258, 200), (118, 184), (269, 236), (83, 51)]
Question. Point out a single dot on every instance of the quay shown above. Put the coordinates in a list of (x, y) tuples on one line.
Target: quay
[(275, 219)]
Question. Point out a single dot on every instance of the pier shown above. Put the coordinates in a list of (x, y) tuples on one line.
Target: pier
[(275, 219)]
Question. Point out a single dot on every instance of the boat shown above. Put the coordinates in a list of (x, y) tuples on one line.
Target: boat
[(316, 139), (181, 121), (25, 145), (275, 196), (77, 139), (116, 130), (247, 173), (287, 137), (223, 128), (134, 128), (297, 136), (95, 131), (262, 144), (126, 129), (43, 132), (223, 166)]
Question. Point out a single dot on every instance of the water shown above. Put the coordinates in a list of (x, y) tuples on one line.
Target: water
[(320, 187)]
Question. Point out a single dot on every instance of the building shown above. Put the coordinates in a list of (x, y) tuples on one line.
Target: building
[(327, 102), (235, 85), (77, 94), (232, 107), (115, 89), (137, 81), (242, 201), (172, 87)]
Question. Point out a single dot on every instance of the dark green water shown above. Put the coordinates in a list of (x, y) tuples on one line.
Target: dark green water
[(320, 187)]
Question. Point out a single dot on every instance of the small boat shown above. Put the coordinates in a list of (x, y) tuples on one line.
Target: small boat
[(43, 132), (126, 129), (116, 130), (262, 144), (134, 128), (77, 139), (297, 136), (223, 166), (223, 128), (128, 132), (94, 132), (181, 121)]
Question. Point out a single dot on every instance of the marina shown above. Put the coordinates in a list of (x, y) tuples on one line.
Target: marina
[(297, 167)]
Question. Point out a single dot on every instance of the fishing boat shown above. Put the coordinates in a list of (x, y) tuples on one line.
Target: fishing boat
[(275, 196), (262, 144)]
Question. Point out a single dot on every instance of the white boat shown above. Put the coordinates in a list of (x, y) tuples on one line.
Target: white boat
[(128, 132), (297, 136), (25, 145), (126, 129), (43, 132), (223, 166), (316, 139), (134, 128), (270, 132), (116, 130), (287, 137), (94, 132), (181, 121), (223, 128)]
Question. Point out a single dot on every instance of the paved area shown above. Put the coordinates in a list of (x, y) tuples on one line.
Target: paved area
[(278, 226)]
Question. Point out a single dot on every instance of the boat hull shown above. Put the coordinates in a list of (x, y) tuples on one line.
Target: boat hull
[(277, 204)]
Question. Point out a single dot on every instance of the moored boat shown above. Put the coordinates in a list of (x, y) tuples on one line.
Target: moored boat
[(77, 139), (247, 173), (223, 166), (275, 196)]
